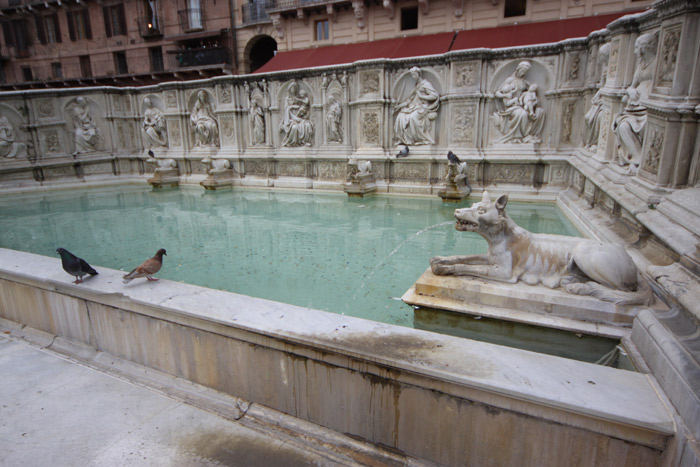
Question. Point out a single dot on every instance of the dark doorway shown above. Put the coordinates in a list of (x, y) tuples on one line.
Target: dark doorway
[(262, 50)]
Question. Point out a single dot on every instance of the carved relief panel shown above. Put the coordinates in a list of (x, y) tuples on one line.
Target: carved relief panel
[(463, 124), (612, 61), (369, 127), (13, 139), (466, 75), (567, 121), (370, 83), (654, 140), (45, 108), (84, 120), (668, 56), (227, 129)]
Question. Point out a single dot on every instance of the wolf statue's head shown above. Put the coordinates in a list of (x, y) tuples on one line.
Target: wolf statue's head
[(486, 217)]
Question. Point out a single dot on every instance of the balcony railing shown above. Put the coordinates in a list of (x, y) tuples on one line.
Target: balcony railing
[(255, 12), (191, 19), (149, 28), (291, 5), (200, 57)]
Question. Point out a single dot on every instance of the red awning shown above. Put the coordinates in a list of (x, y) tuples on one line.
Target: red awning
[(435, 44), (412, 46), (531, 33)]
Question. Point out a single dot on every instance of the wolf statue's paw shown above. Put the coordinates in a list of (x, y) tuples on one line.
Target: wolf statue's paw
[(441, 269), (437, 260), (578, 288)]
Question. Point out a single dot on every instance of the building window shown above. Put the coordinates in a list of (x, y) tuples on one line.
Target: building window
[(514, 8), (79, 24), (409, 18), (57, 70), (115, 23), (156, 54), (47, 29), (322, 30), (120, 65), (85, 66), (17, 36), (27, 73)]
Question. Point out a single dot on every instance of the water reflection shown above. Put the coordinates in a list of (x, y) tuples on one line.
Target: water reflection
[(307, 249)]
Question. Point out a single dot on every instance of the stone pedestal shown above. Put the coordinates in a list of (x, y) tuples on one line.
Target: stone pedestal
[(361, 185), (218, 180), (454, 192), (165, 178), (536, 305)]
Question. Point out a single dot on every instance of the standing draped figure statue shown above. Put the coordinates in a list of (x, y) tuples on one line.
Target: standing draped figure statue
[(417, 113), (86, 133), (629, 124), (206, 130), (257, 122), (594, 115), (520, 118), (154, 125)]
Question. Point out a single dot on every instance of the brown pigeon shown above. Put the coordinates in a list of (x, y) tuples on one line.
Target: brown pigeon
[(148, 268)]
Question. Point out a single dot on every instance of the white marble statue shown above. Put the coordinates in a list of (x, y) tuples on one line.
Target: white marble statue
[(154, 125), (86, 133), (520, 118), (297, 128), (9, 146), (629, 124), (357, 169), (334, 120), (594, 114), (204, 125), (578, 265), (417, 113), (257, 122), (216, 166)]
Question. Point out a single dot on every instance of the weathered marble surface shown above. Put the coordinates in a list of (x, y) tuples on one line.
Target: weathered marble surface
[(182, 329)]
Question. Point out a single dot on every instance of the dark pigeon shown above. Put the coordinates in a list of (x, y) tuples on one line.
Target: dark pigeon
[(150, 153), (75, 266), (453, 158), (403, 152)]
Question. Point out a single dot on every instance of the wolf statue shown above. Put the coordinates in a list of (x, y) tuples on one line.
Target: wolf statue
[(579, 266)]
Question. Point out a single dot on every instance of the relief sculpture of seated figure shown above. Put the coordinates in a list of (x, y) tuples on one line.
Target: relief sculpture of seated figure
[(520, 118)]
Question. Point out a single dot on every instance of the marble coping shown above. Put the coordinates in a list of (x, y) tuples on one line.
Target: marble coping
[(602, 393)]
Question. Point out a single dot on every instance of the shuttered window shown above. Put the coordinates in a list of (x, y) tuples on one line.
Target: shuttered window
[(115, 21), (79, 24)]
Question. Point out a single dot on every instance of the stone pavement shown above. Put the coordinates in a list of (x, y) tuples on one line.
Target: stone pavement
[(58, 412)]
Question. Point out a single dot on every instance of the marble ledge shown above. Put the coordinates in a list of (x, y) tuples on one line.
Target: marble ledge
[(607, 394)]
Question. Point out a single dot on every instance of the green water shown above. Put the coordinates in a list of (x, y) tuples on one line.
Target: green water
[(318, 250)]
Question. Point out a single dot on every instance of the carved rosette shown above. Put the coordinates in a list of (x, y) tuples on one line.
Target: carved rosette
[(45, 108), (463, 124), (652, 160)]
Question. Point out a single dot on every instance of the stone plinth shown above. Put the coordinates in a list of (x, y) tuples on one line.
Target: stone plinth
[(454, 192), (537, 305), (361, 185), (165, 178), (218, 180)]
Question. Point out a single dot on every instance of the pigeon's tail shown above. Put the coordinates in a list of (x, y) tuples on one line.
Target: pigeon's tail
[(132, 275), (87, 268)]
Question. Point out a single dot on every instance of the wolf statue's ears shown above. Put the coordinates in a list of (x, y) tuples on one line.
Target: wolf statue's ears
[(501, 202)]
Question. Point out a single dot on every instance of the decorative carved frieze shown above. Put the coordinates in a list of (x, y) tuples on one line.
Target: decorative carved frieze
[(224, 93), (370, 82), (567, 122), (463, 124), (668, 56), (171, 99), (510, 173), (466, 74), (370, 127), (45, 108), (652, 160)]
